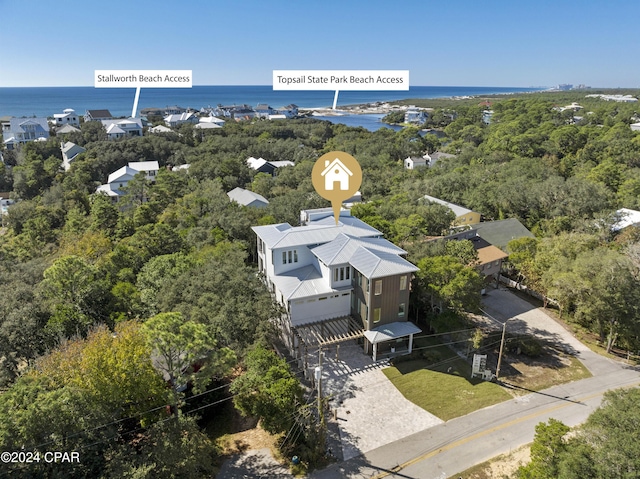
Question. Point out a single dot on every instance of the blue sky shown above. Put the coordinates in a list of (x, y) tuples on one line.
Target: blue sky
[(239, 42)]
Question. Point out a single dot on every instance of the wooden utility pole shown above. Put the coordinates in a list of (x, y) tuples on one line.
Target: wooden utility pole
[(504, 329), (319, 383)]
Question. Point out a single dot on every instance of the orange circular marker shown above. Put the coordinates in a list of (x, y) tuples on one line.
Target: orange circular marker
[(336, 176)]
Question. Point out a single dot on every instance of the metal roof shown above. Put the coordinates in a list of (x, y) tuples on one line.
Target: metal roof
[(457, 209), (379, 264), (390, 331), (144, 166), (315, 233), (500, 232), (123, 174), (303, 283), (246, 197), (341, 249)]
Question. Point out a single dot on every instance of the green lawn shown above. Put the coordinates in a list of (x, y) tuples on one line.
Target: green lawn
[(444, 394)]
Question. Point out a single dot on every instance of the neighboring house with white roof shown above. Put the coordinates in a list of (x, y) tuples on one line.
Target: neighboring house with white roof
[(209, 122), (160, 129), (22, 130), (67, 117), (179, 119), (123, 128), (338, 282), (247, 198), (464, 216), (290, 111), (626, 217), (121, 177), (635, 126), (413, 162), (415, 116), (69, 153), (66, 129)]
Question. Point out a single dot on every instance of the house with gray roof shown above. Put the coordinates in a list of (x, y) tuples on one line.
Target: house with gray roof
[(247, 198), (97, 115), (500, 232), (464, 216), (338, 281), (18, 131), (123, 128), (69, 153)]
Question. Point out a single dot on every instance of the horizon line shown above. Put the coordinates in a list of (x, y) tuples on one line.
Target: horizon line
[(268, 85)]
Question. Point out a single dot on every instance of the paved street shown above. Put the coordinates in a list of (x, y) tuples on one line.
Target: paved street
[(503, 305), (446, 449)]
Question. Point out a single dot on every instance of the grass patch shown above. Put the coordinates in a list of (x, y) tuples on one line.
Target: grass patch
[(500, 467), (541, 373), (445, 390)]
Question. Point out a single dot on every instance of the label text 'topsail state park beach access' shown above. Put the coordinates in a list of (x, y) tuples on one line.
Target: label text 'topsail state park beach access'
[(341, 80)]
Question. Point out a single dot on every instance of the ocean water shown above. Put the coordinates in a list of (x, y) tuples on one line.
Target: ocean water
[(45, 101)]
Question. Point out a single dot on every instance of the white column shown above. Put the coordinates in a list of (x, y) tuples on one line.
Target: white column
[(375, 351), (410, 342)]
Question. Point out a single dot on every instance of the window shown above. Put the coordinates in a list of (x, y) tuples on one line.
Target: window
[(378, 287), (290, 256), (342, 274), (401, 309), (376, 315), (403, 283)]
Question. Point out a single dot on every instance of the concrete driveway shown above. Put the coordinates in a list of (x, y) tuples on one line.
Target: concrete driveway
[(523, 317)]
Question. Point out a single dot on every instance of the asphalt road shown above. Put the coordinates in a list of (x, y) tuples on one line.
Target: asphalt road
[(444, 450)]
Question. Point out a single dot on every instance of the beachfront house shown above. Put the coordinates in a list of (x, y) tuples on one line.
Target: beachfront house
[(97, 115), (337, 282), (264, 111), (67, 117), (18, 131), (179, 119), (290, 111)]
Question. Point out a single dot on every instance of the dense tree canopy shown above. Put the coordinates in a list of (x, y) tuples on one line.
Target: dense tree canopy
[(80, 267)]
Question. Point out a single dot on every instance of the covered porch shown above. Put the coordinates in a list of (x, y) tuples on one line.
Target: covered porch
[(392, 339)]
